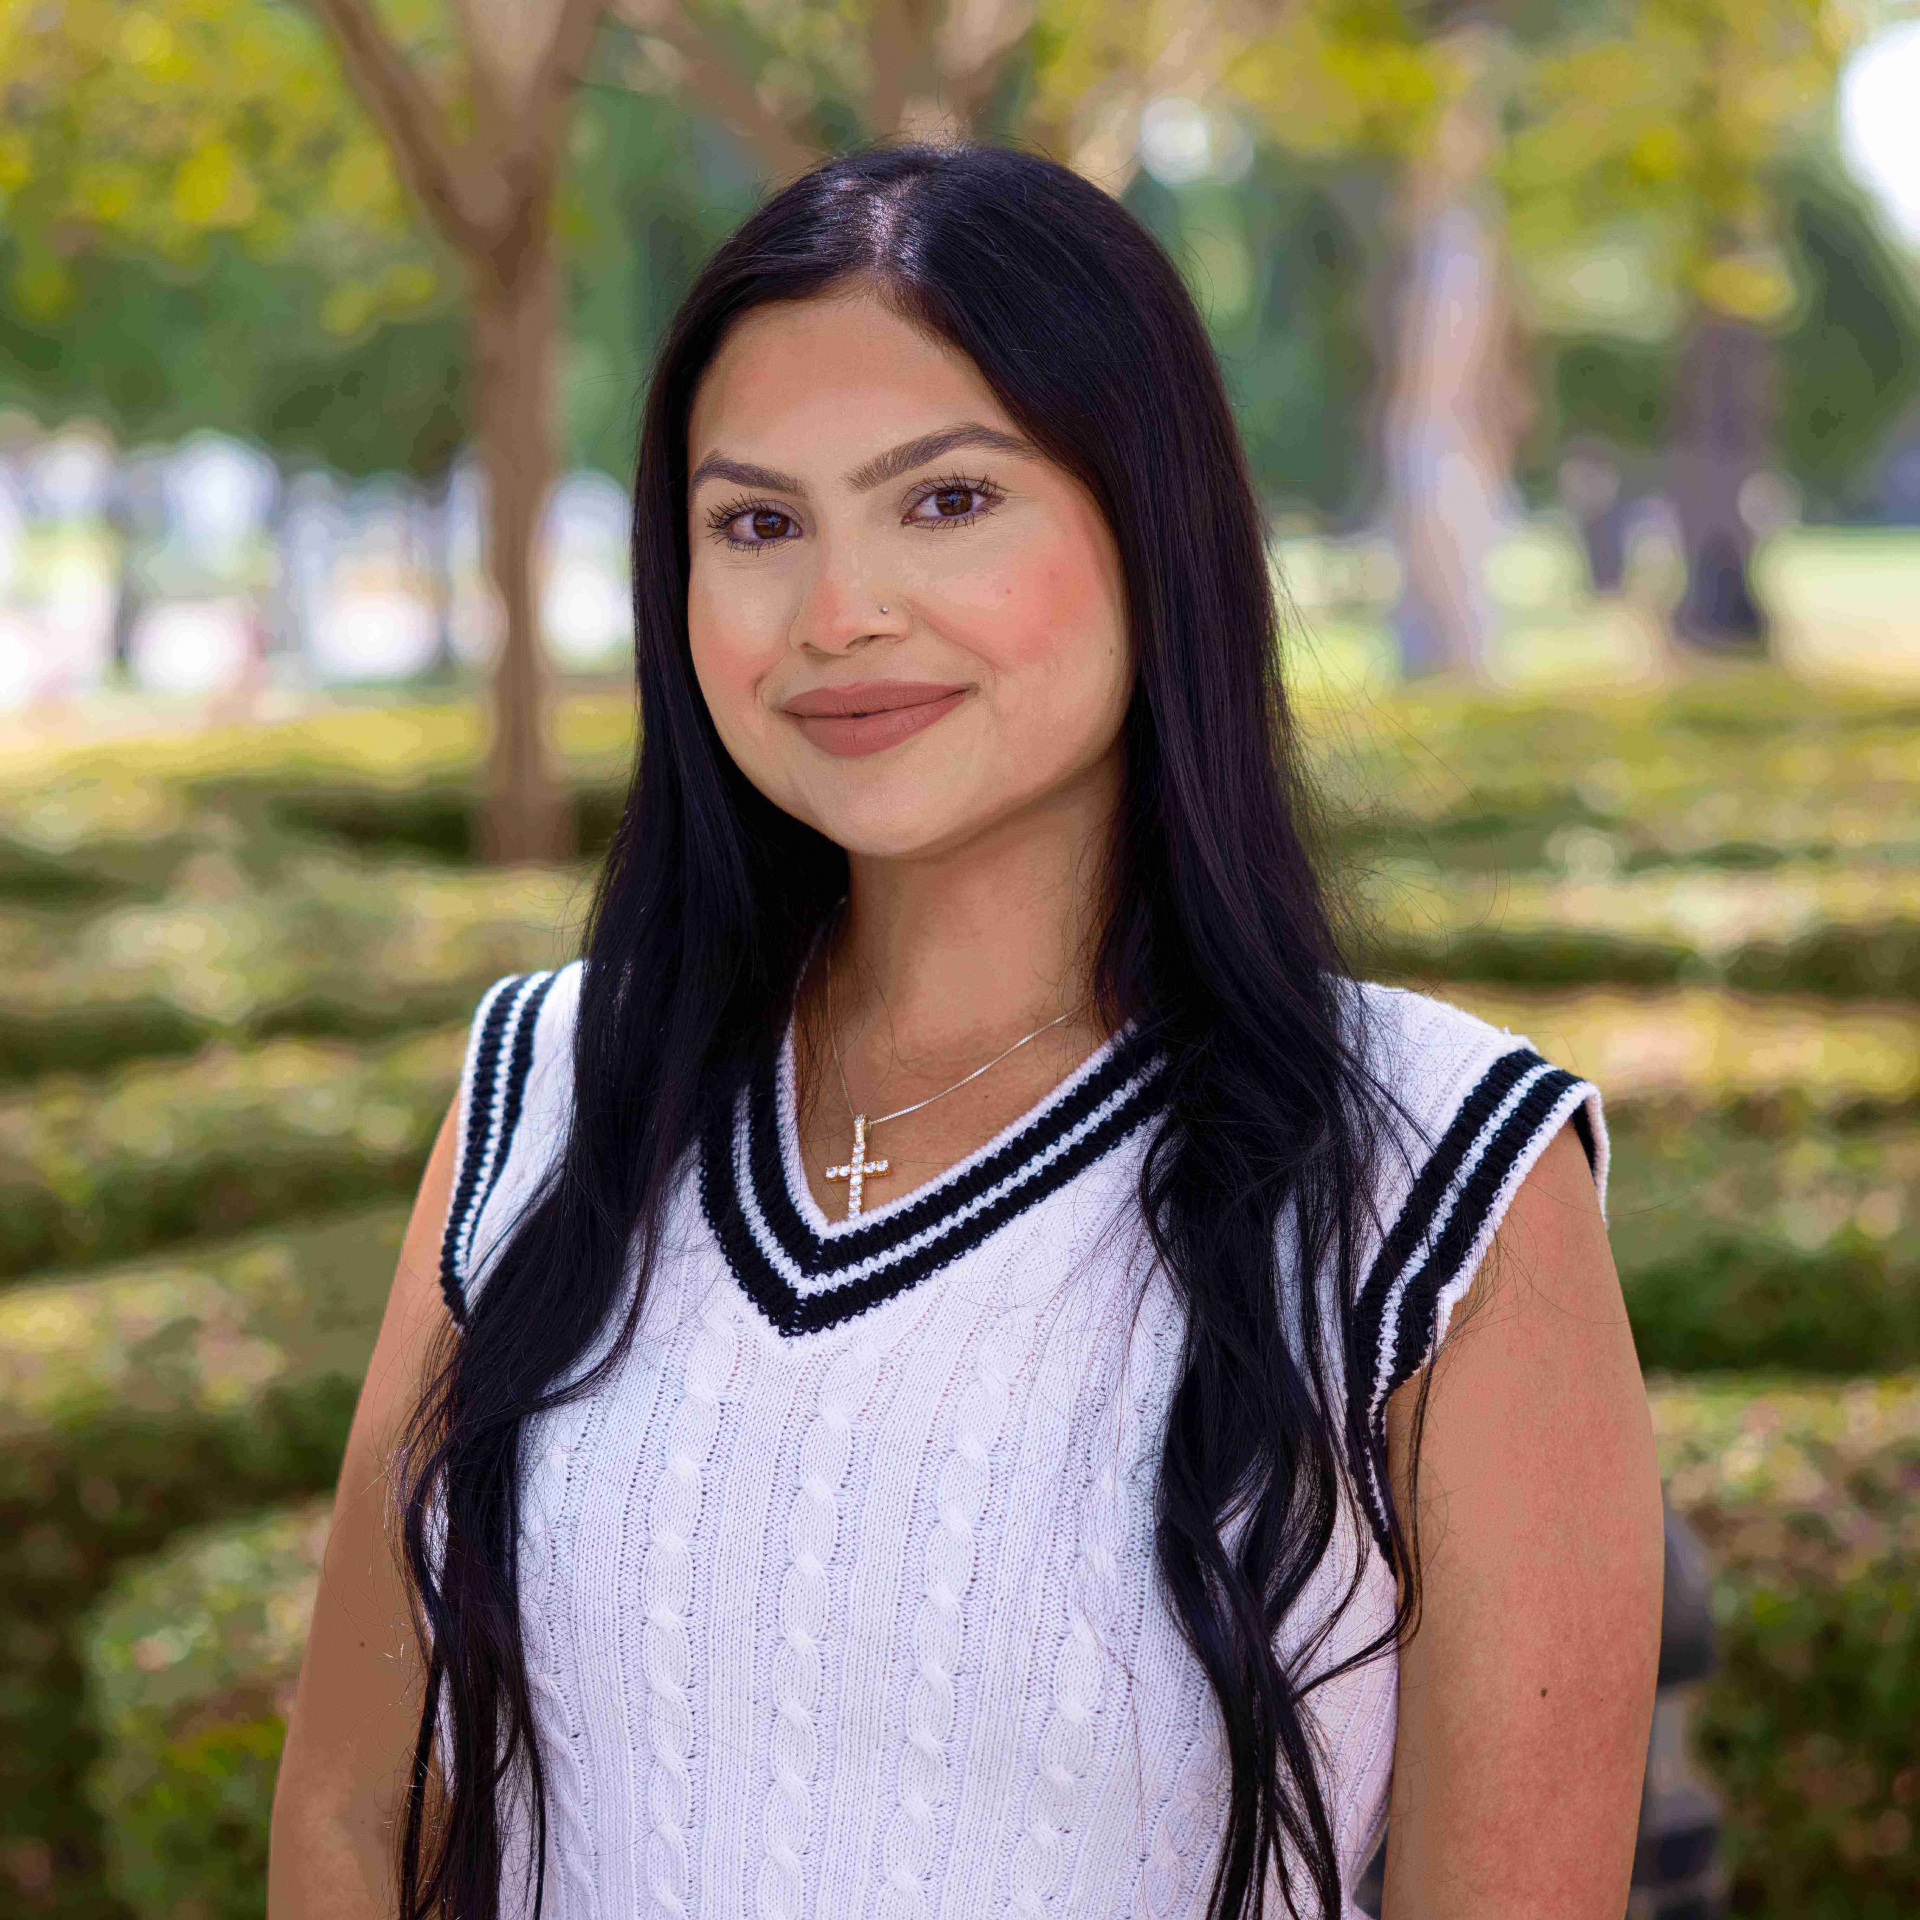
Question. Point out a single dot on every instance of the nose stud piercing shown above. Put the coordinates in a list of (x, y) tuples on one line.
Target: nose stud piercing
[(883, 606)]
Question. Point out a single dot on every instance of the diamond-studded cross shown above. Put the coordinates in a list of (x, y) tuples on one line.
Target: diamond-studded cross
[(855, 1172)]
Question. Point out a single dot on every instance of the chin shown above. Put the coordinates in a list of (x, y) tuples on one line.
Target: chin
[(918, 834), (892, 820)]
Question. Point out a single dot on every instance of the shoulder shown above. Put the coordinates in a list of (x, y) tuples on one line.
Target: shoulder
[(1466, 1109), (512, 1112)]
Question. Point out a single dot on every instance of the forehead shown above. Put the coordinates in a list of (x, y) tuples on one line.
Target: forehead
[(817, 381)]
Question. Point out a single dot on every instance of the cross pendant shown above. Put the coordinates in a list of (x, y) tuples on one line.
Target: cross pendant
[(858, 1166)]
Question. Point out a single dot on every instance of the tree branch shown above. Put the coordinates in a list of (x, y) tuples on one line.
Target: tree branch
[(717, 80), (890, 51), (463, 195), (537, 132), (974, 44)]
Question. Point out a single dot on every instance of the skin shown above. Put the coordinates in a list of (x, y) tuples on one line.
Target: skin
[(1527, 1693), (976, 848), (350, 1735)]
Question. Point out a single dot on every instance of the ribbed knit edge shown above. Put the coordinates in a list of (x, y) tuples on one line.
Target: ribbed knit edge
[(493, 1082), (1433, 1251)]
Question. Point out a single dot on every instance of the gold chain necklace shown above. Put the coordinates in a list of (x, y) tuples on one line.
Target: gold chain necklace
[(858, 1166)]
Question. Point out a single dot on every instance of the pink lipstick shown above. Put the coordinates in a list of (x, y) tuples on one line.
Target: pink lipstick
[(872, 716)]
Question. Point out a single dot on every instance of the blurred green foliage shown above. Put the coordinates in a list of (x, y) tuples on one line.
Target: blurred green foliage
[(1281, 272), (355, 356), (228, 1140), (1808, 1499), (133, 1404), (1849, 358), (300, 305), (192, 1663)]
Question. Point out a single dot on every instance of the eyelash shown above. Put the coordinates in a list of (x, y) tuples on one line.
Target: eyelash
[(720, 518)]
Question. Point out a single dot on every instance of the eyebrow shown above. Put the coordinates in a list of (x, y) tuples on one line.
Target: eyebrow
[(875, 472), (930, 446), (716, 466)]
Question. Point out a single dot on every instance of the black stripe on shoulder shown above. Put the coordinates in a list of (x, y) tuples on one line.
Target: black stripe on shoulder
[(519, 1065), (1420, 1300), (502, 1059), (1429, 1192), (491, 1022), (1434, 1236)]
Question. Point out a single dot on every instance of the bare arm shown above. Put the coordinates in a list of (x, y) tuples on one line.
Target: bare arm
[(351, 1736), (1526, 1694)]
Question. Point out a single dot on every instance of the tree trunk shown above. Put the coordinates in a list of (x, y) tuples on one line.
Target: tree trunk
[(516, 319), (1722, 420), (1448, 446), (1447, 491)]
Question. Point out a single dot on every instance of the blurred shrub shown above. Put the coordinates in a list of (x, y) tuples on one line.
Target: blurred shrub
[(191, 1665), (32, 877), (1836, 931), (1531, 957), (133, 1404), (1808, 1499), (225, 1141), (417, 814), (439, 819), (1844, 962), (1768, 1234), (92, 1035), (1741, 1301), (1754, 769), (324, 946)]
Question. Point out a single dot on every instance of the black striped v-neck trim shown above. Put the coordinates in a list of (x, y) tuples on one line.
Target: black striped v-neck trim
[(804, 1280)]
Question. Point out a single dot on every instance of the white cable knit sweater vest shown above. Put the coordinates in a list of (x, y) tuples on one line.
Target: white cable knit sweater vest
[(840, 1596)]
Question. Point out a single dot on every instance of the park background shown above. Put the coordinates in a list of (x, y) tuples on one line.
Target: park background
[(1577, 348)]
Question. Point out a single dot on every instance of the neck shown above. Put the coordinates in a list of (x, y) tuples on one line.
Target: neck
[(963, 950)]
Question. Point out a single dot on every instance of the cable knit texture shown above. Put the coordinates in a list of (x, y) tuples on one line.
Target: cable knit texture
[(840, 1591)]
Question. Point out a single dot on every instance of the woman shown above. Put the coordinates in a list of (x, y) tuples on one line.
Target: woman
[(904, 1390)]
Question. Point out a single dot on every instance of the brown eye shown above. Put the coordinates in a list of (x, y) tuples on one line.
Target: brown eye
[(952, 502), (751, 527)]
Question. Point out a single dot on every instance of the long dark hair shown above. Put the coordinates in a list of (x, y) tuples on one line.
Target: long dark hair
[(1217, 941)]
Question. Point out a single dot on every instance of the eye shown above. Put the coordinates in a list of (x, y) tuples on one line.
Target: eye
[(948, 503), (748, 525)]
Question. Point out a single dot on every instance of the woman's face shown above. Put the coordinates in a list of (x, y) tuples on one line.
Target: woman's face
[(908, 624)]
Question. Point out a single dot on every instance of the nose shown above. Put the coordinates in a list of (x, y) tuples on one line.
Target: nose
[(846, 604)]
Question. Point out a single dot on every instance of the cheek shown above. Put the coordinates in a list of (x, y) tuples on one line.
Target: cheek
[(1057, 621), (734, 640)]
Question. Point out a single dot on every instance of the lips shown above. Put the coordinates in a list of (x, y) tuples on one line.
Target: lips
[(872, 716)]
